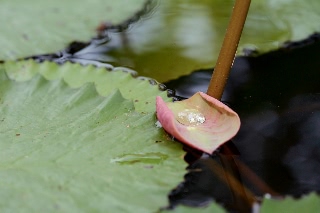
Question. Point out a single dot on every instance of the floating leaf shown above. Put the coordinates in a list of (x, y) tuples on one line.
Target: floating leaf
[(201, 121), (307, 204), (42, 26), (209, 209), (75, 150), (139, 90)]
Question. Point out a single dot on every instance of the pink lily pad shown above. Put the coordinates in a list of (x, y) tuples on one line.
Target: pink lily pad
[(201, 121)]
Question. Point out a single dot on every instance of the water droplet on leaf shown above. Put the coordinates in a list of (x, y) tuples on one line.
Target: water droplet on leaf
[(158, 124), (201, 121), (190, 117)]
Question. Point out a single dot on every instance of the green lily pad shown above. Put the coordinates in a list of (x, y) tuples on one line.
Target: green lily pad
[(75, 149), (42, 26), (139, 90), (214, 207), (308, 204), (271, 23)]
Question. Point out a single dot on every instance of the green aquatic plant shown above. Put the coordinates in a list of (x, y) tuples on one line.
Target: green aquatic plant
[(82, 139), (77, 138), (43, 26)]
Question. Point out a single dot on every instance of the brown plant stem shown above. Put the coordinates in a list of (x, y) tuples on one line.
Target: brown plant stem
[(228, 49)]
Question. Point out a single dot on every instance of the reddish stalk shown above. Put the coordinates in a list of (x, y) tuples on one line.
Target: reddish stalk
[(228, 49), (216, 87)]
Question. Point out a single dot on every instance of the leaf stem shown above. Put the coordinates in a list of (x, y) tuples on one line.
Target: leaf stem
[(229, 48)]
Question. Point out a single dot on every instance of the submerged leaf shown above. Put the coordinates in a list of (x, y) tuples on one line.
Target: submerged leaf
[(201, 121), (307, 204), (212, 208)]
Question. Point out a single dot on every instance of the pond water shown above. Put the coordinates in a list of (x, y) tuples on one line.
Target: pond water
[(277, 96)]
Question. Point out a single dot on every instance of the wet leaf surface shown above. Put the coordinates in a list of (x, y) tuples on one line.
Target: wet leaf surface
[(277, 98)]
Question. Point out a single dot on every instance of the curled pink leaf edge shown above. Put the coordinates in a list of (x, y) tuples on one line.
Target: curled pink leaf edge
[(167, 118)]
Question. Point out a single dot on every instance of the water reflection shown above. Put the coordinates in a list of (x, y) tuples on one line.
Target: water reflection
[(214, 177)]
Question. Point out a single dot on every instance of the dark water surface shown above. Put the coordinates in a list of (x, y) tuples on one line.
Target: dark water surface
[(277, 96)]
